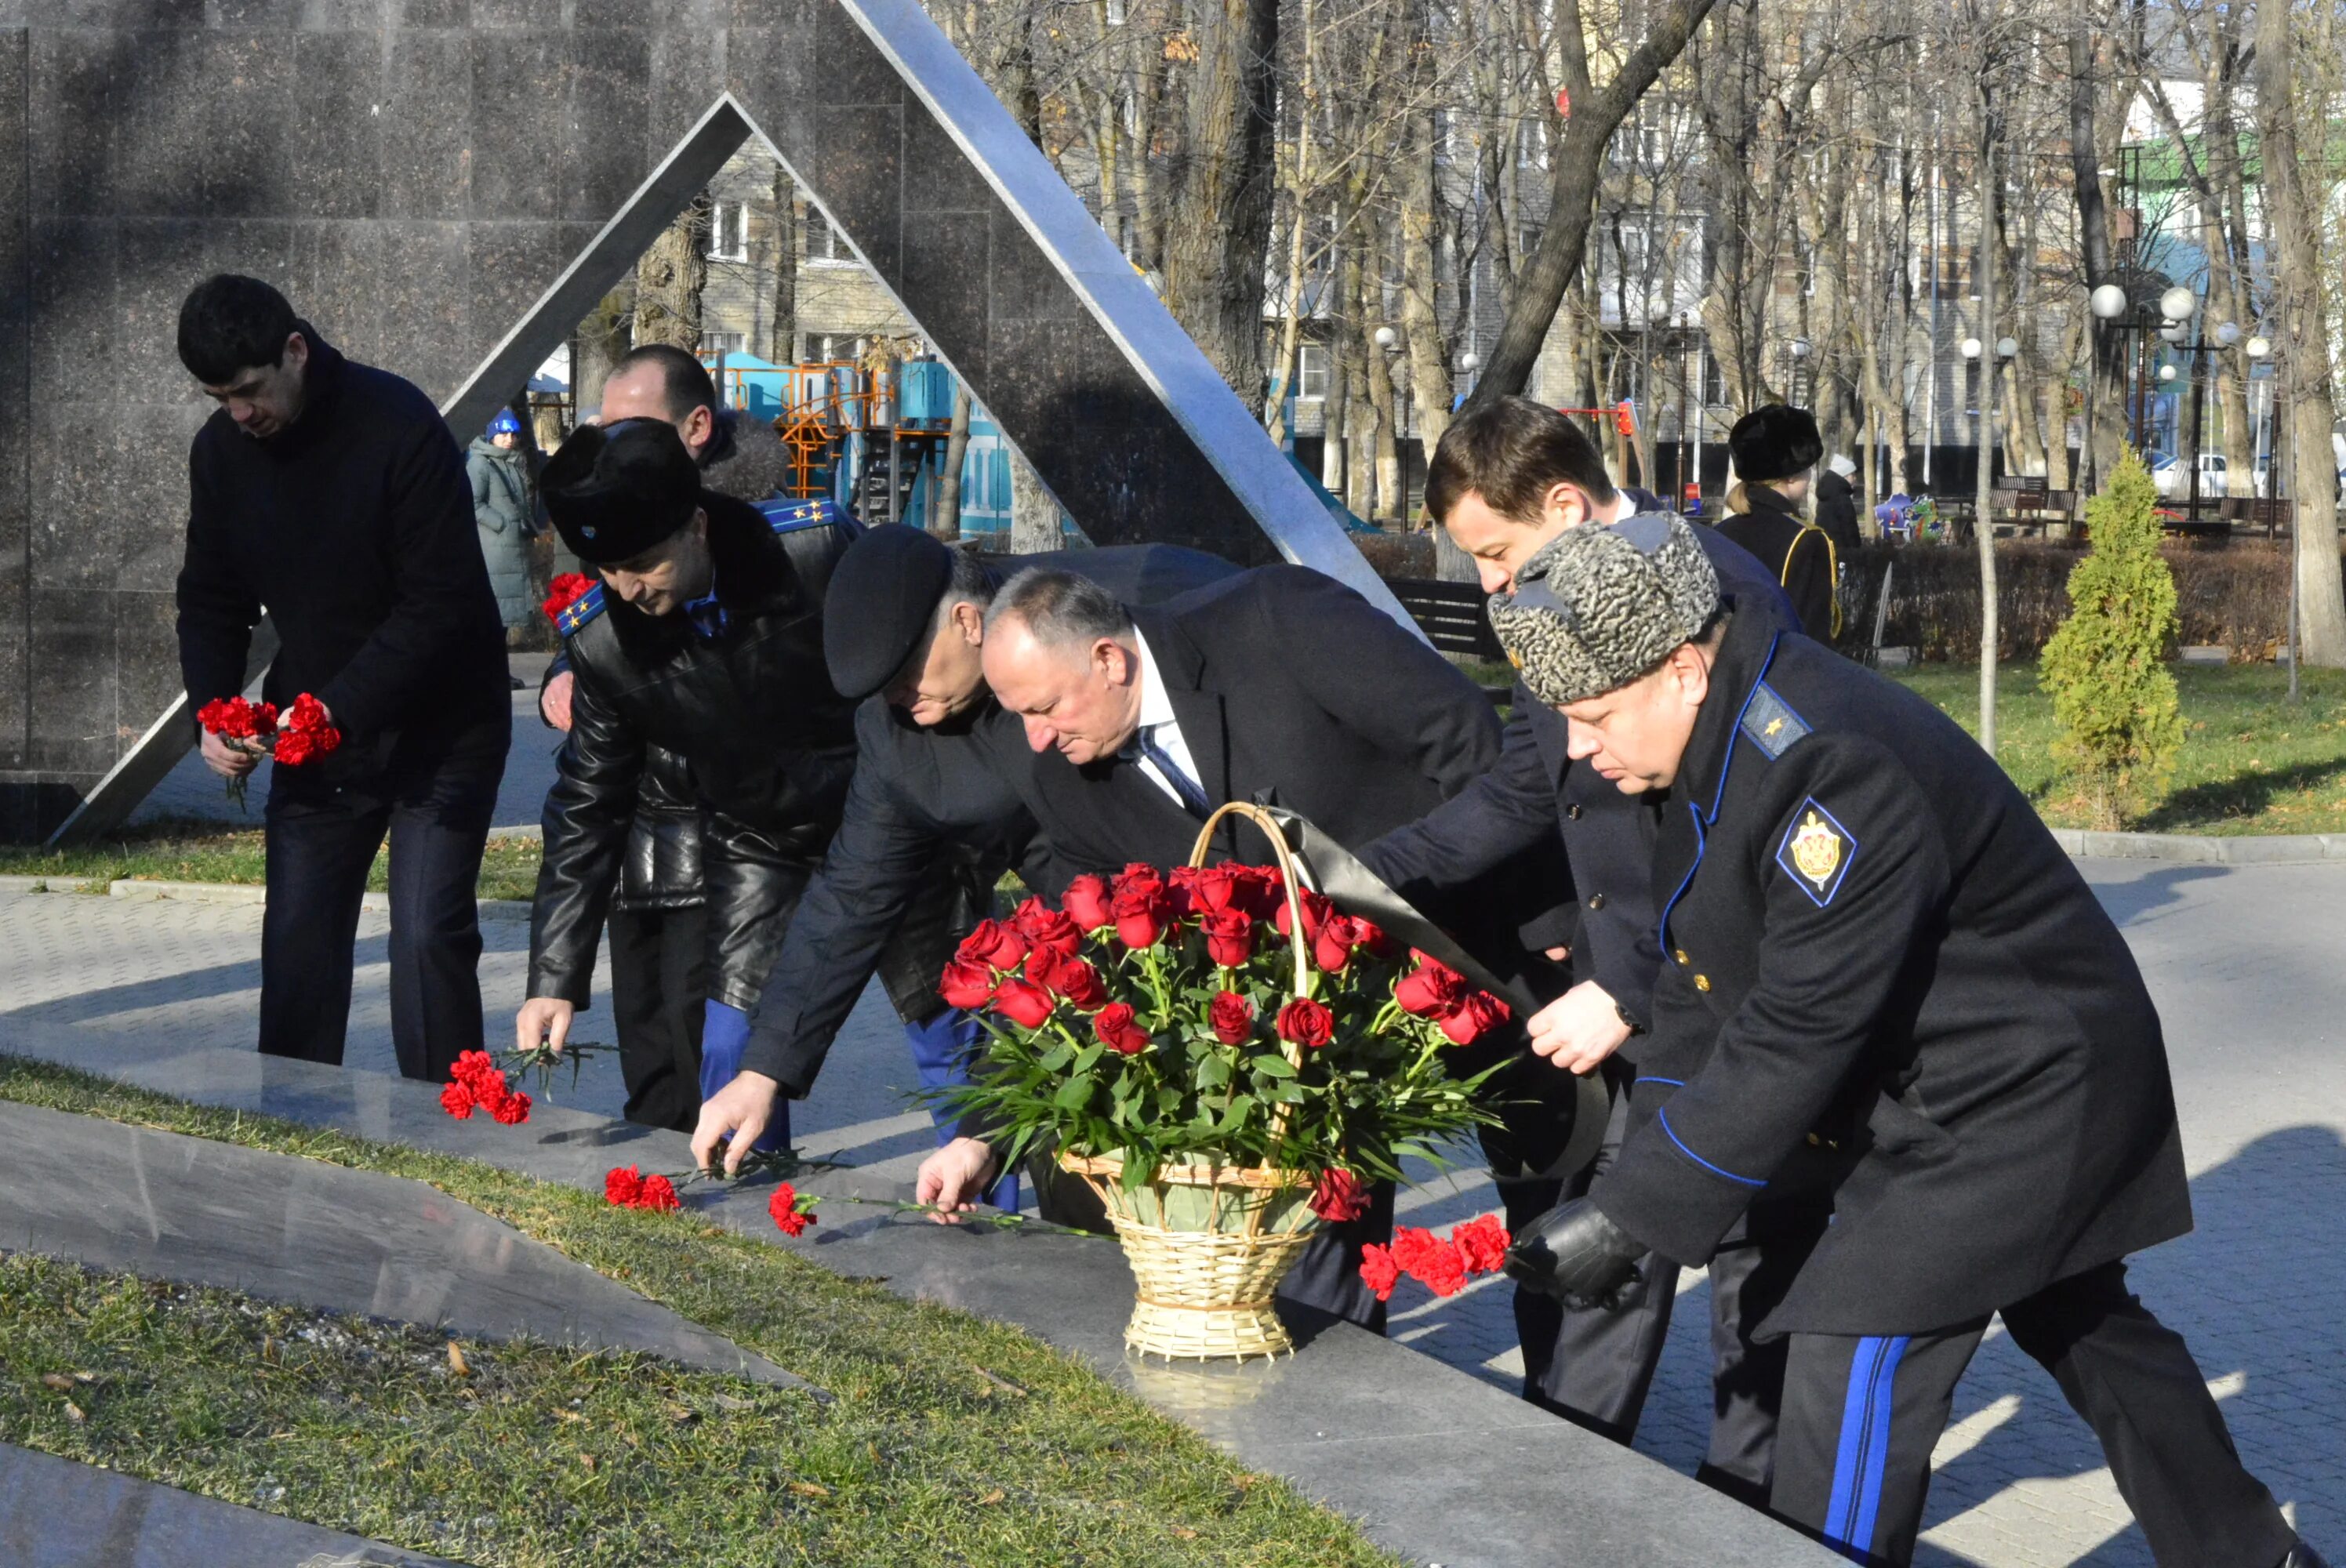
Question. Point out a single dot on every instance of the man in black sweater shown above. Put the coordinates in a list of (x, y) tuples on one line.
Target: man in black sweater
[(332, 493)]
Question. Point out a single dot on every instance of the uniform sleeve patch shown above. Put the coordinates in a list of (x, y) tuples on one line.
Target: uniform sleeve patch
[(1770, 722), (1816, 851)]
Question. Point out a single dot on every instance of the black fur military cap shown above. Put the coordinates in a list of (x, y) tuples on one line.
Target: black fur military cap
[(1774, 442), (614, 491)]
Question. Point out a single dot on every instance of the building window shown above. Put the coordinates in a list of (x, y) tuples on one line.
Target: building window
[(1531, 145), (833, 348), (723, 342), (825, 243), (1310, 372), (1527, 238), (728, 231)]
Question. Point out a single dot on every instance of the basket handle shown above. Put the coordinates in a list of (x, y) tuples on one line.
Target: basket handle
[(1292, 885)]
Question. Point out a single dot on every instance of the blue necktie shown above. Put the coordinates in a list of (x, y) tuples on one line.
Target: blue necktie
[(1183, 785)]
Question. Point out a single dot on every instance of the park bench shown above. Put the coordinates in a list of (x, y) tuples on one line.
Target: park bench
[(1452, 619), (2256, 512)]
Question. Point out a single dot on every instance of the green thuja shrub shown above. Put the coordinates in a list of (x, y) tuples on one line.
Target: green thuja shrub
[(2106, 667)]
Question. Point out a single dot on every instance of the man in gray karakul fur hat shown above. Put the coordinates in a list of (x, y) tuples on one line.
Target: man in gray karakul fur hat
[(1884, 984)]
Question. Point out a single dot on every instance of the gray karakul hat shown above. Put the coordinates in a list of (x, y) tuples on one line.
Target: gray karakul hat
[(1598, 607)]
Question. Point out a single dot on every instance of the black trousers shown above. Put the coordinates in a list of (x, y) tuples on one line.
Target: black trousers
[(1862, 1414), (321, 840), (659, 988)]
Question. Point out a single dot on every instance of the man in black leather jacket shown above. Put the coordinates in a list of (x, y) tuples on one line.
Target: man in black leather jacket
[(704, 638)]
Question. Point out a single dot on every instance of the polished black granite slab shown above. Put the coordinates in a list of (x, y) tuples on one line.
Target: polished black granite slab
[(166, 1206), (56, 1513), (1438, 1466)]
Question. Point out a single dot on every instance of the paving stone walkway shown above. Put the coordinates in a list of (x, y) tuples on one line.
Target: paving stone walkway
[(2244, 963)]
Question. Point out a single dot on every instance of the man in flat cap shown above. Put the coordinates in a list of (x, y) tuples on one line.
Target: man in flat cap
[(1506, 480), (932, 818), (705, 639), (1775, 451), (1888, 985)]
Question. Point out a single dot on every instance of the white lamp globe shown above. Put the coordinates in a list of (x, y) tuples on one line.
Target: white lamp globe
[(2227, 333), (2167, 373), (2109, 301), (1971, 347), (2173, 331), (1470, 361), (2177, 304), (1386, 336), (2259, 346), (2006, 347)]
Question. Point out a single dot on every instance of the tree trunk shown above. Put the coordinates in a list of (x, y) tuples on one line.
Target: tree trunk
[(1034, 510), (945, 516), (600, 340), (782, 332), (669, 278), (1420, 244), (1220, 233), (2301, 344), (1982, 524), (1299, 204), (2104, 424), (1577, 163)]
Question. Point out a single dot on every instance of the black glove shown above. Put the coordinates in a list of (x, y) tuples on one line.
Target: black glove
[(1577, 1255)]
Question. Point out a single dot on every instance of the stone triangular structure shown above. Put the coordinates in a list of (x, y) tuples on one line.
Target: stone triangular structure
[(434, 181)]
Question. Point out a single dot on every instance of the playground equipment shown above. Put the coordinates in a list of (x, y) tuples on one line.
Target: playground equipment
[(871, 438)]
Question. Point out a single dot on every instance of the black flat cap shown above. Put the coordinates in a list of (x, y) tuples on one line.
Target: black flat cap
[(881, 602), (614, 491), (1774, 442)]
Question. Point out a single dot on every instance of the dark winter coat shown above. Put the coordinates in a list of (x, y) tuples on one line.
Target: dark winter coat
[(770, 743), (1837, 514), (500, 480), (1797, 551), (1886, 981), (355, 527)]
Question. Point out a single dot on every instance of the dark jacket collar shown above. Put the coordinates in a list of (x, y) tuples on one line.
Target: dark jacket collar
[(1196, 705), (1766, 498), (322, 381), (1744, 656)]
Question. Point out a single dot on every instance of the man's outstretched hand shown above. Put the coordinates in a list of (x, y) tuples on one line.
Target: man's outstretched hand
[(739, 1112), (1580, 1257), (951, 1179)]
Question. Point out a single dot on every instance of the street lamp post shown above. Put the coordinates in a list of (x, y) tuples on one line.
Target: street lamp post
[(2107, 303), (1970, 349)]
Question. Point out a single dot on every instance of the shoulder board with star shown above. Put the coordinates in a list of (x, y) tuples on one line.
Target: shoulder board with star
[(790, 516), (1770, 723), (575, 614)]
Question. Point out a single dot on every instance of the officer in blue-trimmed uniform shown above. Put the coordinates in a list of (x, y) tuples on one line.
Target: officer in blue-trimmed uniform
[(1884, 982), (704, 638)]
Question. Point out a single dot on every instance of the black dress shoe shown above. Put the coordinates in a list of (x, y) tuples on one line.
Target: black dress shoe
[(2302, 1555), (515, 682)]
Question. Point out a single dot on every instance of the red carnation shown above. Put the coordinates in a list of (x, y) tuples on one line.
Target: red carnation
[(1141, 912), (1118, 1031), (967, 984), (1023, 1002), (1229, 936), (1077, 985), (1087, 902), (564, 591), (1476, 1015), (1433, 990), (1340, 1196), (1482, 1244), (1045, 927), (457, 1101), (1430, 1260), (473, 1068), (1232, 1016), (623, 1185), (511, 1110), (659, 1193), (1306, 1023), (995, 944), (1379, 1272), (788, 1216)]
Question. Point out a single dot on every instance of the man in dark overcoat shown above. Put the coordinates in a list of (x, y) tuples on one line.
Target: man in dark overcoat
[(1505, 481), (934, 802), (1887, 983)]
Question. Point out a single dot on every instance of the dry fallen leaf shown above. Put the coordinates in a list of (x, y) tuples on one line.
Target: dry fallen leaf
[(586, 1461), (991, 1498), (74, 1413), (680, 1414), (727, 1402), (268, 1348), (809, 1489), (568, 1416), (1185, 1532), (58, 1381), (456, 1361)]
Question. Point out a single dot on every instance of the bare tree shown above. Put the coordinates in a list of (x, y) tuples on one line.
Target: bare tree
[(671, 277)]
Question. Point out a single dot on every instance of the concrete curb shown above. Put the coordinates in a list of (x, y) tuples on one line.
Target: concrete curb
[(2190, 849), (244, 893)]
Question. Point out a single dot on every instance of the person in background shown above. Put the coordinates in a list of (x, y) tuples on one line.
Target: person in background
[(499, 472), (1837, 509), (1775, 450), (332, 494)]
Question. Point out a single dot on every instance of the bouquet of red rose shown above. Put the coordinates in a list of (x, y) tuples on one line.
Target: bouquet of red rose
[(1159, 1024), (302, 733)]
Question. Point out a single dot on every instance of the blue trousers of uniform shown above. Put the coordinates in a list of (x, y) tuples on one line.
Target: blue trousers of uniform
[(940, 1051)]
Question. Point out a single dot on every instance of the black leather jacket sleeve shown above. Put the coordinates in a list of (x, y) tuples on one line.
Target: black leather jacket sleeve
[(597, 775), (879, 862)]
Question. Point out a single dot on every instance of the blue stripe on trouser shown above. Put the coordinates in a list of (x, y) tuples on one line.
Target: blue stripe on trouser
[(724, 1033), (941, 1052), (1864, 1445)]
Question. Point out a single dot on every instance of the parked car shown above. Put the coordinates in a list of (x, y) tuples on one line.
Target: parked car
[(2172, 480)]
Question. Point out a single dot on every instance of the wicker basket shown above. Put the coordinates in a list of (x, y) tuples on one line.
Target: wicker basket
[(1209, 1244)]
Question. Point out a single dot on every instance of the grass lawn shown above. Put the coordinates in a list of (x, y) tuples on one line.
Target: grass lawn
[(948, 1439), (192, 851), (2251, 763)]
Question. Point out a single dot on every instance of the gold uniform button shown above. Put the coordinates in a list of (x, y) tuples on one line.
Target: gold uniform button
[(1680, 955), (1596, 901), (1814, 1140), (1572, 813), (1702, 983)]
